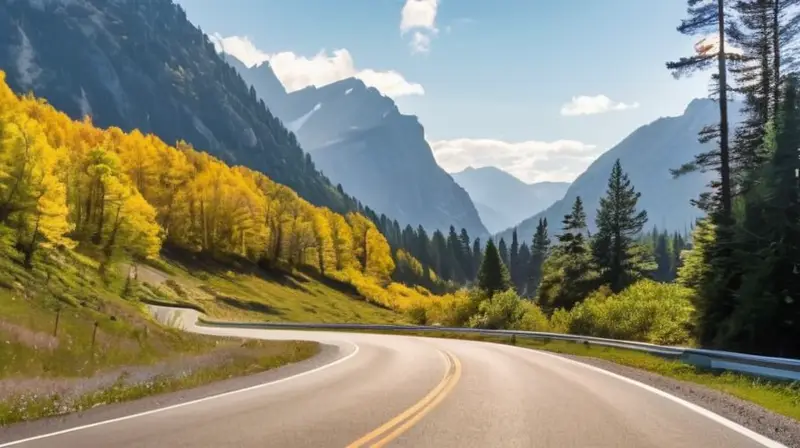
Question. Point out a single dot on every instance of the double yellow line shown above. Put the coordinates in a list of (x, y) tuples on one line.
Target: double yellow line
[(393, 428)]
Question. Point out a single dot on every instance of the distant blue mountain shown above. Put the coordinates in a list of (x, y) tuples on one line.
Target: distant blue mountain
[(646, 155), (503, 200), (358, 138)]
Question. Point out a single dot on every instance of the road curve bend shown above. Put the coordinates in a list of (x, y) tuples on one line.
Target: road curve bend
[(403, 391)]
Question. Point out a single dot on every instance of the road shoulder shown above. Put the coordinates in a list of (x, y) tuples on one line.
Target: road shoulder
[(327, 354), (767, 423)]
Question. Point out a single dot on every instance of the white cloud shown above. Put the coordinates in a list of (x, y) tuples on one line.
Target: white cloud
[(530, 161), (590, 105), (420, 43), (240, 47), (296, 71), (419, 16)]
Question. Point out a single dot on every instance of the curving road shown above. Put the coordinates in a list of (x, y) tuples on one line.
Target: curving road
[(401, 391)]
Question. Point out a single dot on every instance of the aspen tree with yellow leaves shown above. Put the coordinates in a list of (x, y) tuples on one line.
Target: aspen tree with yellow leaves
[(67, 183)]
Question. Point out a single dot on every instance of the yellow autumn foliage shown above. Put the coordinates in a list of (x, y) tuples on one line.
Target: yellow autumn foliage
[(65, 182)]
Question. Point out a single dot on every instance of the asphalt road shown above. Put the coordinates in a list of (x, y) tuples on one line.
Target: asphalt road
[(401, 391)]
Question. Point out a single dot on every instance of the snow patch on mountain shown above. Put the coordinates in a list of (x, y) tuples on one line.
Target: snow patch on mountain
[(295, 125)]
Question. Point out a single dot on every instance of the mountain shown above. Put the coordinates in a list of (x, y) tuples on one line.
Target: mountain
[(359, 139), (142, 64), (647, 156), (502, 199)]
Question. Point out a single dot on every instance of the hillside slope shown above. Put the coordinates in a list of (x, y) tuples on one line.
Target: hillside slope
[(505, 200), (646, 155), (143, 65), (359, 138)]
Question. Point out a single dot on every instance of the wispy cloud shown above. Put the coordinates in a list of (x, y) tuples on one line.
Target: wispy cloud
[(591, 105), (530, 161), (296, 71), (419, 16)]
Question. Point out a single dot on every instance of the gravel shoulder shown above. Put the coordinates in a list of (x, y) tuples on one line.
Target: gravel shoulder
[(767, 423)]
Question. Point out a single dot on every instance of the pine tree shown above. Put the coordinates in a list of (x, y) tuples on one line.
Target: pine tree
[(678, 246), (753, 73), (513, 259), (455, 255), (477, 256), (539, 253), (664, 259), (766, 315), (523, 261), (572, 240), (493, 275), (707, 16), (503, 250), (568, 274), (466, 260), (620, 259), (408, 238), (764, 30), (439, 256)]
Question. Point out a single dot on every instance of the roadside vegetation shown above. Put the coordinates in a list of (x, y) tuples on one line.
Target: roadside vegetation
[(782, 397), (238, 290), (69, 340)]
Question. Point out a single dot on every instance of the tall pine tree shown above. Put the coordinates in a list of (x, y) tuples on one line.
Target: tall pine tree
[(619, 257), (539, 253), (766, 315), (503, 251), (477, 256), (493, 275), (709, 16), (467, 261), (523, 261), (568, 273), (454, 255), (513, 259), (664, 259)]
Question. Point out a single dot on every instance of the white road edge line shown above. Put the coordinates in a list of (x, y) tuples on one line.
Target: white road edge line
[(188, 403), (765, 441)]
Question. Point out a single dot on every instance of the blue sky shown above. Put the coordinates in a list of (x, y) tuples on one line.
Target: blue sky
[(487, 79)]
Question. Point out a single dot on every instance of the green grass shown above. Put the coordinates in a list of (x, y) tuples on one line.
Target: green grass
[(782, 397), (63, 326), (251, 294), (778, 396), (257, 356)]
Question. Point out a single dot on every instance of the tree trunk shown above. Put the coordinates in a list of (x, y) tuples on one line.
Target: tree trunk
[(98, 235), (724, 155), (32, 247), (776, 58)]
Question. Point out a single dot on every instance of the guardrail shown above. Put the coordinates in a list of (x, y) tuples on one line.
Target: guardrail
[(762, 366)]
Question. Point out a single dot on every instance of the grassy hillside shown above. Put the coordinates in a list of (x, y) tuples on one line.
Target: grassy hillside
[(70, 339), (239, 290)]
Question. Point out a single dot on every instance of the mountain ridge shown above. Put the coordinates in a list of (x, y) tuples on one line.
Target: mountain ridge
[(144, 65), (647, 154), (504, 194), (360, 139)]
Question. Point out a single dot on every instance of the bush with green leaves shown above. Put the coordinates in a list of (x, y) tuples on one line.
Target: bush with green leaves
[(498, 312), (647, 311), (533, 318)]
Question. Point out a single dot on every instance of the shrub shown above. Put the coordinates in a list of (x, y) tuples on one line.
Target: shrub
[(454, 310), (503, 310), (646, 311), (533, 318), (560, 321)]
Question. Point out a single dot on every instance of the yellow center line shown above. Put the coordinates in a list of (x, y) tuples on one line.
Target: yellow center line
[(415, 413)]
